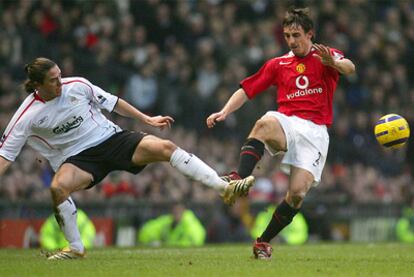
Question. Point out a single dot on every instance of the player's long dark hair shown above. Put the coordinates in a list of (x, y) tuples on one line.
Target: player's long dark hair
[(298, 17), (36, 72)]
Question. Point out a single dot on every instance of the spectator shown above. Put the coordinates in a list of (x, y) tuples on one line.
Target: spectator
[(405, 225), (180, 228), (52, 238), (295, 233)]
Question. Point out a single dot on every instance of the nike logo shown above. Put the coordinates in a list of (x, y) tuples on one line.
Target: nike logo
[(284, 63)]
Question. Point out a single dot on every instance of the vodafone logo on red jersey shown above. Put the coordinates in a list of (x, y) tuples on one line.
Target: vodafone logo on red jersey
[(302, 83)]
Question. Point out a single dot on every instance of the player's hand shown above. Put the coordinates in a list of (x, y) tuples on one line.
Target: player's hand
[(215, 117), (160, 121), (324, 54)]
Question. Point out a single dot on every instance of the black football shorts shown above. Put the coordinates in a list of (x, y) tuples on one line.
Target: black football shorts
[(113, 154)]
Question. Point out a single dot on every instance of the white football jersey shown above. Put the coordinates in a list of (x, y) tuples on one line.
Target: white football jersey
[(63, 126)]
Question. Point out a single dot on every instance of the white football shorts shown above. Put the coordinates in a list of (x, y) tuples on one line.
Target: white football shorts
[(307, 145)]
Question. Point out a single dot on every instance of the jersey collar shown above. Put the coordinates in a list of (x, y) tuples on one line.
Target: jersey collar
[(37, 97)]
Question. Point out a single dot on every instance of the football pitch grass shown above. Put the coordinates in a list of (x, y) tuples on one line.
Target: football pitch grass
[(389, 259)]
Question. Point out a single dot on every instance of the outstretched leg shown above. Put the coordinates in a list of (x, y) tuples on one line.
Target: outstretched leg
[(153, 149)]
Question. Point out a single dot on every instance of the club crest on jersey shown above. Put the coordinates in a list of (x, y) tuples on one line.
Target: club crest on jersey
[(300, 68), (66, 127)]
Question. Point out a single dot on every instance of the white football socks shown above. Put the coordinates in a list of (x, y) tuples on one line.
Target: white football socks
[(191, 166), (68, 214)]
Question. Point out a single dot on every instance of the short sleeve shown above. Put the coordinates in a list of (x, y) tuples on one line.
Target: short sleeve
[(337, 55), (103, 99), (13, 139), (261, 80)]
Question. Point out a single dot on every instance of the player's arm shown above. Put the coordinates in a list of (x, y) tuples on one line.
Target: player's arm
[(250, 87), (4, 165), (109, 102), (123, 108), (343, 66), (234, 103)]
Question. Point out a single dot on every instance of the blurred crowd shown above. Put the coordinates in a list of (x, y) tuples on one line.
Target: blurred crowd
[(185, 58)]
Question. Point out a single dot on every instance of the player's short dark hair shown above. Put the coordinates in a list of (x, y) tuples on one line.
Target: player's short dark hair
[(36, 72), (298, 17)]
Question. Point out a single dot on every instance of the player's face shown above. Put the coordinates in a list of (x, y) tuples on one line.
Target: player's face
[(52, 84), (297, 40)]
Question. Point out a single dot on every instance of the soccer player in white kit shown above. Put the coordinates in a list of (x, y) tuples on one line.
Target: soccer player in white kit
[(62, 120), (306, 79)]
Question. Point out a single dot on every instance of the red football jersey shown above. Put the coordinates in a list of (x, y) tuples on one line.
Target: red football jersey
[(305, 87)]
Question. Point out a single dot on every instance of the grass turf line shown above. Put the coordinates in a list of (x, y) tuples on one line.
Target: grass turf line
[(388, 259)]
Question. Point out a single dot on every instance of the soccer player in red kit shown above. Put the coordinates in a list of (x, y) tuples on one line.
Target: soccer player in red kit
[(306, 79)]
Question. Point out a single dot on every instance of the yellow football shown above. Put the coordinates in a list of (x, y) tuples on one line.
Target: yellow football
[(392, 131)]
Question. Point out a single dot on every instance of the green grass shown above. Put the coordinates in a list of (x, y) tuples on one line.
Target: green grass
[(220, 260)]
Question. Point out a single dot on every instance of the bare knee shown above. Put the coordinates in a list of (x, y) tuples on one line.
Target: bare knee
[(262, 127), (299, 184), (153, 149), (168, 147), (59, 190), (269, 130), (295, 197)]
